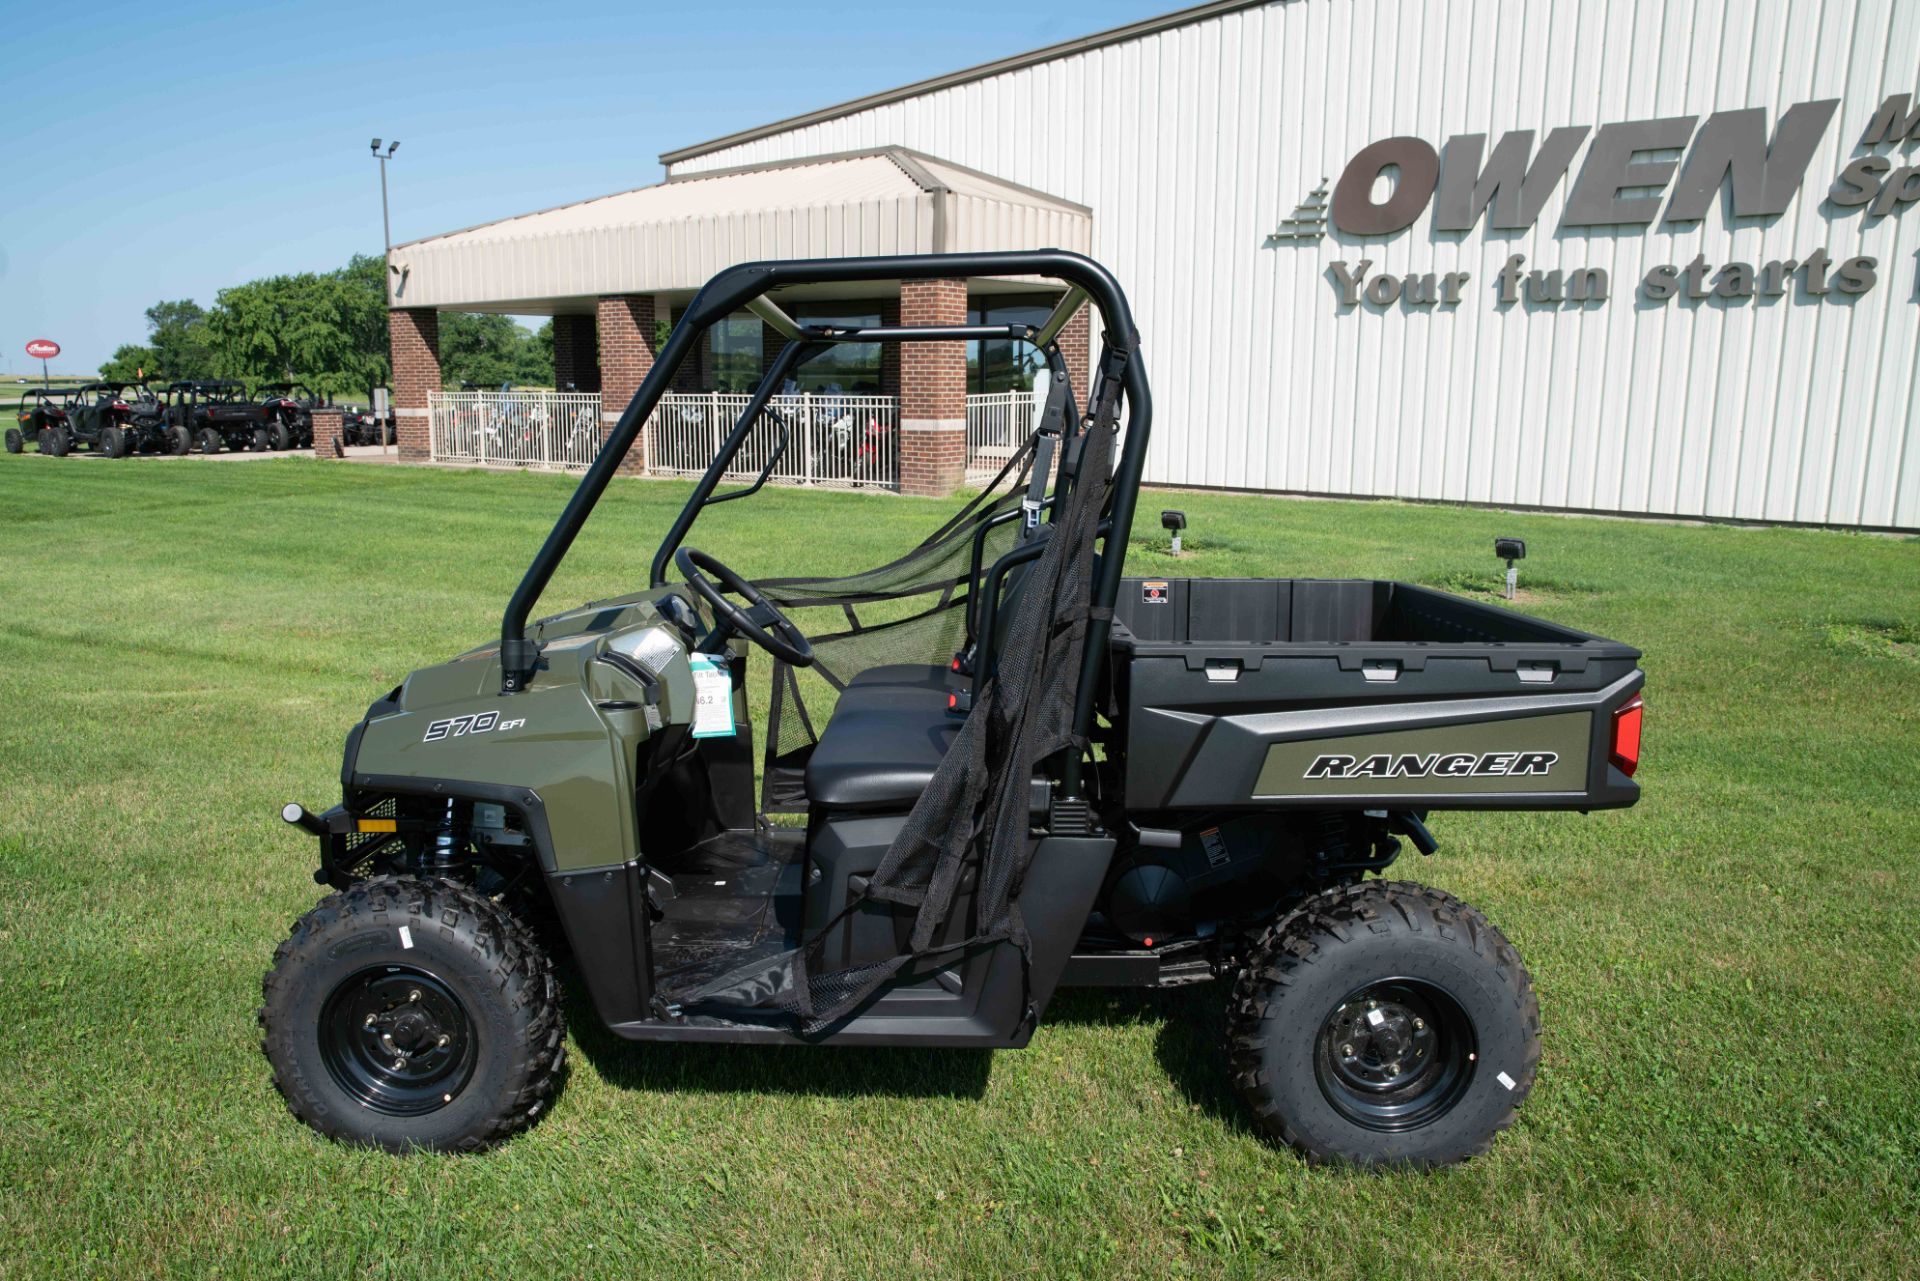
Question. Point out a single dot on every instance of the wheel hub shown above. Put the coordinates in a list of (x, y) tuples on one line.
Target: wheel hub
[(398, 1040), (1383, 1044), (1395, 1055)]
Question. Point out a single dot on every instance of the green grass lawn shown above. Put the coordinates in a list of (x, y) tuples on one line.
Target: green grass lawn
[(1727, 972)]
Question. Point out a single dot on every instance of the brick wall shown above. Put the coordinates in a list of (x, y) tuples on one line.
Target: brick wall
[(626, 357), (328, 423), (414, 339), (1076, 344), (576, 356), (933, 391), (890, 352)]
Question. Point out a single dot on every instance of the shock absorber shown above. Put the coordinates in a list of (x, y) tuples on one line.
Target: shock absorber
[(445, 845), (1328, 833)]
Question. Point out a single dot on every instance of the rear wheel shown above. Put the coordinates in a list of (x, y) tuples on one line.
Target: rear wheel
[(179, 441), (113, 442), (280, 436), (1384, 1024), (16, 443), (408, 1014), (59, 442), (262, 442)]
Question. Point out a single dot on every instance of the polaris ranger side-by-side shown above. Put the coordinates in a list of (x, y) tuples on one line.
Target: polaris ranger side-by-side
[(991, 766)]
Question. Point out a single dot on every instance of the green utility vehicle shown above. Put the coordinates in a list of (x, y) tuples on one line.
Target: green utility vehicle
[(991, 766)]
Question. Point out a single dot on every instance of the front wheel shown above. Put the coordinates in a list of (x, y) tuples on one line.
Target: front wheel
[(179, 440), (16, 443), (210, 441), (406, 1014), (1384, 1024)]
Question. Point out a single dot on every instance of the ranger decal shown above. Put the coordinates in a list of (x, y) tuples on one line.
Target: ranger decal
[(1434, 764)]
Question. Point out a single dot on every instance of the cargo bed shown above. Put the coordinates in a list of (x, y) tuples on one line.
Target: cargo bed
[(1243, 693)]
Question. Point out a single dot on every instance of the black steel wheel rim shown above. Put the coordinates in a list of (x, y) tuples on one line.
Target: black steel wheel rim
[(398, 1040), (1396, 1054)]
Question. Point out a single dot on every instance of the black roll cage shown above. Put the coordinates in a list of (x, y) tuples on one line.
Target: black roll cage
[(746, 286)]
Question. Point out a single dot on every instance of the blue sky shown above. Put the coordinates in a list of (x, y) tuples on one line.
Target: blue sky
[(183, 147)]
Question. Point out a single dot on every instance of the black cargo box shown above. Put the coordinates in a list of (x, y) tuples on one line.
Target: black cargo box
[(1256, 693)]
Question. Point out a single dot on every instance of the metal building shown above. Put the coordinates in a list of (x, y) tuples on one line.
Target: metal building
[(1210, 147)]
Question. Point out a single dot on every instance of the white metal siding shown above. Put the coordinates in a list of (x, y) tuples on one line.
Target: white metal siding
[(1191, 144)]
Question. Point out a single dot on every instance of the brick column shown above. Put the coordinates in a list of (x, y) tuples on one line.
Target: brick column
[(414, 338), (328, 424), (576, 359), (933, 391), (626, 357), (890, 352), (1076, 344)]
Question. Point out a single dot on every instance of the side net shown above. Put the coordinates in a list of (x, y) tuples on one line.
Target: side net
[(912, 611), (975, 811)]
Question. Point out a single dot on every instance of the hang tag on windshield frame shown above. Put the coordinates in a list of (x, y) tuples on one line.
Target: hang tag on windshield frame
[(712, 698)]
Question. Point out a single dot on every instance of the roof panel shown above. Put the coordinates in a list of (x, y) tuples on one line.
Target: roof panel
[(677, 234)]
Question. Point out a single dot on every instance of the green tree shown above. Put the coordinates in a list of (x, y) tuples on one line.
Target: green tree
[(178, 339), (327, 329), (131, 363), (488, 350)]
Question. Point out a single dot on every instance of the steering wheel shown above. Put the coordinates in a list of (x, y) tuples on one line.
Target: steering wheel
[(764, 624)]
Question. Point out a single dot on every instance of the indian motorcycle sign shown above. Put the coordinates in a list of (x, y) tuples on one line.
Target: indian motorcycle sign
[(1672, 170)]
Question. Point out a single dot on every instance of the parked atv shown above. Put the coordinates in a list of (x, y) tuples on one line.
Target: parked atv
[(291, 407), (118, 419), (218, 412), (1023, 769), (43, 417), (362, 427)]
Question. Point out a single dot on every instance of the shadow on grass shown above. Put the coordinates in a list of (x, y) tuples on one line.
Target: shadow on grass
[(1189, 1046), (832, 1071)]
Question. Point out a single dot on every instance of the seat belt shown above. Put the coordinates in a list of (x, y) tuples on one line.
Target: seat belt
[(1054, 417)]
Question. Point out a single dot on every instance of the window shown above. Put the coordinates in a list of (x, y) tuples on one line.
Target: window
[(733, 354), (853, 368), (1001, 364)]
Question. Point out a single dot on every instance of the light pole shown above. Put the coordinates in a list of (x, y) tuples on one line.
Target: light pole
[(386, 274), (386, 223)]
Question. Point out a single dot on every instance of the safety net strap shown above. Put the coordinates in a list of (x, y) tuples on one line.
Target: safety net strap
[(975, 811)]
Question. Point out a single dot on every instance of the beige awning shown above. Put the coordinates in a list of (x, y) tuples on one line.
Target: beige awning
[(675, 235)]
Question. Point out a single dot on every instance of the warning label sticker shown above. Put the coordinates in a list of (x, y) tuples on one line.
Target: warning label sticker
[(1153, 591)]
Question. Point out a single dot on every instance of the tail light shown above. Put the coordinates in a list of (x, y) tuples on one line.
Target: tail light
[(1626, 737)]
